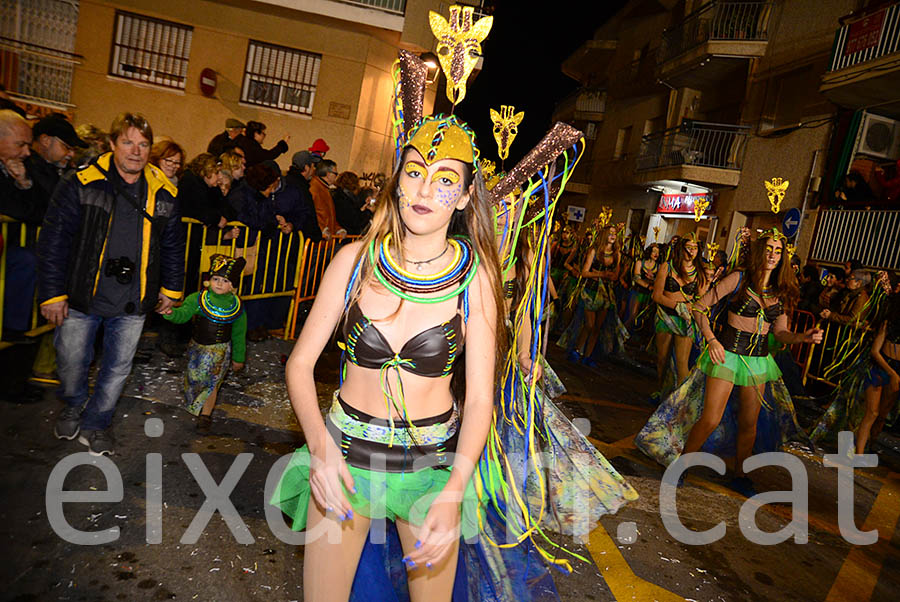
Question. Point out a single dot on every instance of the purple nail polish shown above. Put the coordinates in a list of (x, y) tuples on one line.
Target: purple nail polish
[(418, 544), (349, 513), (428, 565)]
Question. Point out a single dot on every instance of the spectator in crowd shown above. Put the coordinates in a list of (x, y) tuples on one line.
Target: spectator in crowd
[(234, 162), (251, 144), (347, 206), (302, 170), (169, 157), (319, 148), (834, 286), (16, 194), (54, 145), (251, 203), (98, 144), (288, 203), (111, 251), (18, 201), (198, 188), (810, 289), (852, 304), (890, 187), (851, 265), (320, 188), (854, 190), (234, 128)]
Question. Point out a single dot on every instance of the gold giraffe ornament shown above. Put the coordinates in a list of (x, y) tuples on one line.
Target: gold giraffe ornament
[(655, 233), (458, 46), (776, 189), (700, 207), (713, 248), (506, 128)]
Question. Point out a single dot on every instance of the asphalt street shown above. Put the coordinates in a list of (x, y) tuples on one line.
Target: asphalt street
[(633, 555)]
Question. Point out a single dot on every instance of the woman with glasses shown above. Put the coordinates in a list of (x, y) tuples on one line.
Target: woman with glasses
[(251, 144), (169, 157)]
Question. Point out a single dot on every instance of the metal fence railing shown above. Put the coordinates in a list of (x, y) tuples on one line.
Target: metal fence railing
[(872, 236), (316, 257), (695, 143), (396, 7), (868, 38), (747, 21)]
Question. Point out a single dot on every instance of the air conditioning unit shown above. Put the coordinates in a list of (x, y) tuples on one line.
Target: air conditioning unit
[(878, 137)]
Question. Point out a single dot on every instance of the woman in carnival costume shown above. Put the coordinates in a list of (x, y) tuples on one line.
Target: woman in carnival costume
[(643, 275), (866, 396), (600, 271), (698, 414), (421, 288), (679, 283), (219, 337)]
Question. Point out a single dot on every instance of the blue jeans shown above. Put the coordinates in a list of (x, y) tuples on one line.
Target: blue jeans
[(74, 342)]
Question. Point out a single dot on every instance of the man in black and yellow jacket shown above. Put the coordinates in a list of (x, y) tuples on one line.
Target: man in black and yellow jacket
[(110, 251)]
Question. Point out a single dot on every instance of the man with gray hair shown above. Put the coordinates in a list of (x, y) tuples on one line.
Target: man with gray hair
[(17, 200), (320, 188), (852, 304)]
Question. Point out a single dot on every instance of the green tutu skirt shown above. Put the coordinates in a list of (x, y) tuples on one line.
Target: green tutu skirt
[(672, 324), (379, 495), (742, 370)]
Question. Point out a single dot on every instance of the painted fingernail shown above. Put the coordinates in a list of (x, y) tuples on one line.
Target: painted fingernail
[(330, 509), (349, 513), (412, 564), (353, 490), (418, 544), (428, 565)]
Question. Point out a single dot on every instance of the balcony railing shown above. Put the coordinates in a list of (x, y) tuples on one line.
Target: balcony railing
[(743, 21), (695, 143), (868, 38), (582, 100), (395, 7), (873, 237)]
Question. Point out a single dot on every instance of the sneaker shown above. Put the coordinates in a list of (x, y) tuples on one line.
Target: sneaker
[(68, 423), (742, 485), (99, 443), (587, 361), (573, 356)]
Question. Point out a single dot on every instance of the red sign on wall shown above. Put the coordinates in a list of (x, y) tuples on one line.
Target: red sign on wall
[(683, 203), (865, 33)]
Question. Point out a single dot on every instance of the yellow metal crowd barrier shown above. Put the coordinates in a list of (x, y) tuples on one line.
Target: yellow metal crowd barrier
[(23, 235), (316, 257)]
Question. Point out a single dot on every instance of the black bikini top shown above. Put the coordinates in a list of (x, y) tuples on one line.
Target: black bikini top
[(431, 353), (672, 286), (746, 306)]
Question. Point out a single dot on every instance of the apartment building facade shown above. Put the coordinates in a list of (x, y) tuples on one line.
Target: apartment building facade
[(705, 101), (306, 68)]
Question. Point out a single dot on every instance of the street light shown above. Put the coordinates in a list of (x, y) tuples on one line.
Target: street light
[(431, 61)]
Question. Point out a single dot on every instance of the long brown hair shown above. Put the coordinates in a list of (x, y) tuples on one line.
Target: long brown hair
[(474, 222), (782, 281), (680, 255), (602, 240)]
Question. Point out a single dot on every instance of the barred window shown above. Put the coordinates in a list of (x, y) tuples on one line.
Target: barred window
[(150, 50), (37, 49), (280, 77)]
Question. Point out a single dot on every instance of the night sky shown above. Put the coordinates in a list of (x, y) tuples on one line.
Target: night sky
[(522, 57)]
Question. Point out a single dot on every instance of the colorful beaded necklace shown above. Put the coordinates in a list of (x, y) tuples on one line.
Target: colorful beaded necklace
[(410, 286), (220, 315)]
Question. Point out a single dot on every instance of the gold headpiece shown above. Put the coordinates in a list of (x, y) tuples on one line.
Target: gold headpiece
[(605, 217), (655, 233), (458, 46), (700, 206), (773, 233), (506, 128), (777, 188), (442, 137), (713, 248)]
